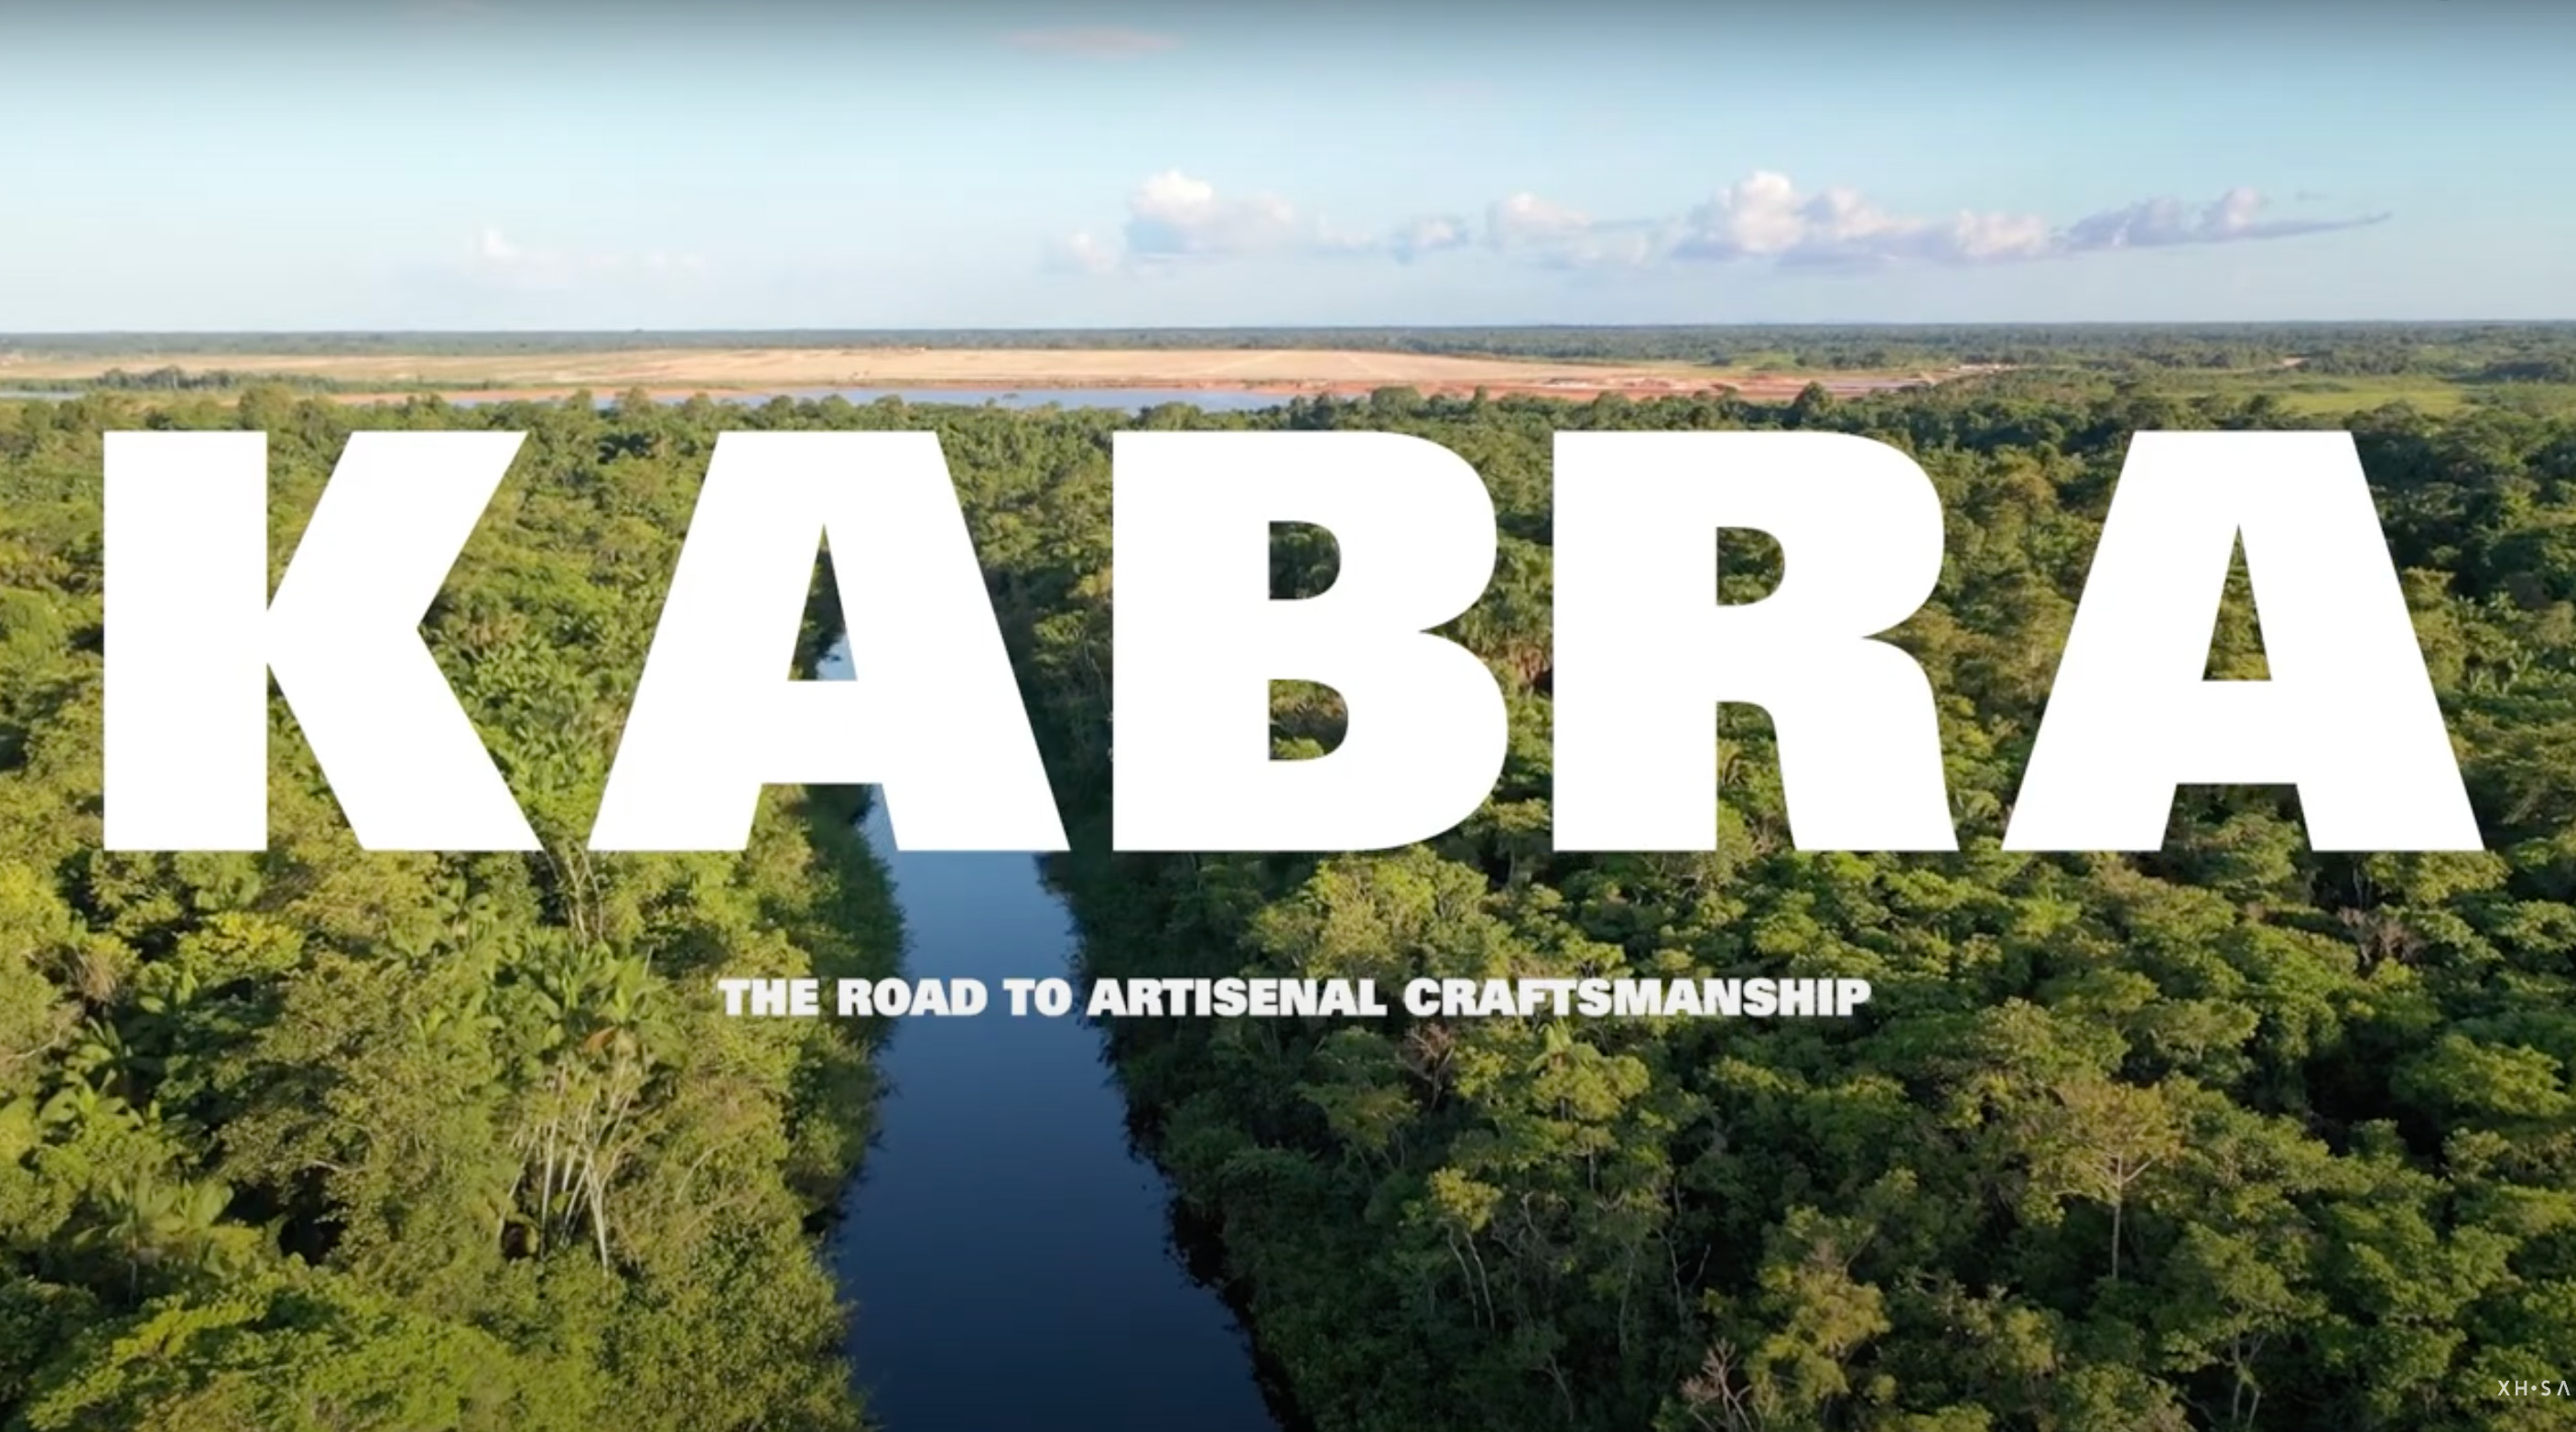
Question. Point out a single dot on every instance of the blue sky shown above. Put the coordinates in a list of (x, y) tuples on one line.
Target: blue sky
[(475, 164)]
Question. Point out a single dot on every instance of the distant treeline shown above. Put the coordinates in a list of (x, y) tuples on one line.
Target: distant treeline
[(174, 379), (2466, 351)]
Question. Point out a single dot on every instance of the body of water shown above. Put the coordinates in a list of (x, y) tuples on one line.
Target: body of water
[(1010, 1255)]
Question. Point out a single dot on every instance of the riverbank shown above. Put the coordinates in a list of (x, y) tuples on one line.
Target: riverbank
[(1005, 1217)]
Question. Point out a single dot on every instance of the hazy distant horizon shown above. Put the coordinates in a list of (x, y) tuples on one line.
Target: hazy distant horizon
[(827, 336), (573, 165)]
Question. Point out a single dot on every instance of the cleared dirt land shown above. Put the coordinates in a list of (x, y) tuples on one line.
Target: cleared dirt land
[(678, 372)]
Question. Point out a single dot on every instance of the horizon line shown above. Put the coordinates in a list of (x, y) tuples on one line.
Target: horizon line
[(1494, 327)]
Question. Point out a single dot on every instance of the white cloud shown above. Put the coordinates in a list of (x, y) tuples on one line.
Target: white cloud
[(1998, 236), (1079, 253), (1555, 236), (2232, 217), (495, 257), (1172, 215), (1174, 218), (1765, 218), (1428, 233), (1758, 216), (1526, 220)]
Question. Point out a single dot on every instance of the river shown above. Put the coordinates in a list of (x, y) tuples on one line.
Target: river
[(1009, 1254)]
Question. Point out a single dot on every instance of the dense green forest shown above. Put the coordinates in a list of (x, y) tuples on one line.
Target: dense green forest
[(2456, 350), (322, 1139), (2230, 1136)]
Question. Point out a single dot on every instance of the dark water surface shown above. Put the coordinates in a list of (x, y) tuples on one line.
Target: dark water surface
[(1010, 1257)]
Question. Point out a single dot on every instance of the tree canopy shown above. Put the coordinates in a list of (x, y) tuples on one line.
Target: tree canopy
[(2232, 1135), (319, 1138)]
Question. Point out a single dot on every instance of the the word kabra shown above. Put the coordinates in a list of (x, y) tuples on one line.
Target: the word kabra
[(1643, 654)]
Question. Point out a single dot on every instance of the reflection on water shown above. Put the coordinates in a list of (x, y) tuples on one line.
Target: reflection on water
[(1009, 1254)]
